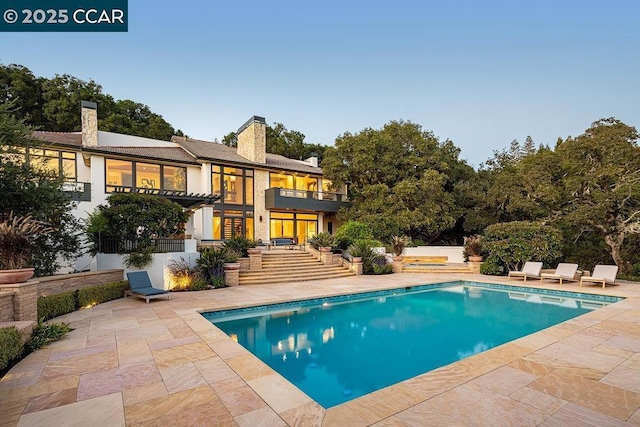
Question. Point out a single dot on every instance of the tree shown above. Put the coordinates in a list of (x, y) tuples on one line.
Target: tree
[(602, 184), (29, 190), (400, 178), (19, 86)]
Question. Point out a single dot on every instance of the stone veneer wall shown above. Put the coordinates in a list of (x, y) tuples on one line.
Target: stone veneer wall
[(89, 117), (70, 282), (252, 142), (261, 183), (6, 306)]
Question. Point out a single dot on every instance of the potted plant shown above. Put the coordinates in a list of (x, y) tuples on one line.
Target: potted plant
[(398, 244), (473, 248), (241, 245), (17, 234), (357, 251), (323, 242)]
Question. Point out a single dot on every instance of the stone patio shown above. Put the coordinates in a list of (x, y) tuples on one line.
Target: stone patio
[(162, 364)]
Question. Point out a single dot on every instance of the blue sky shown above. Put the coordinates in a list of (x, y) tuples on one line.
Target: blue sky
[(478, 73)]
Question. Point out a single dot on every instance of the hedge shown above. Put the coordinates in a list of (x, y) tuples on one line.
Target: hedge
[(101, 293), (51, 306), (10, 346)]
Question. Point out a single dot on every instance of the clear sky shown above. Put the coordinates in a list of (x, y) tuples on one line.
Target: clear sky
[(478, 73)]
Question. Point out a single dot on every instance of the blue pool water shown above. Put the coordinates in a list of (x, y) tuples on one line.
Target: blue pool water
[(337, 349)]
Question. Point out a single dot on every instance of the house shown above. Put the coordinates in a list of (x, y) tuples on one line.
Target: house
[(261, 195)]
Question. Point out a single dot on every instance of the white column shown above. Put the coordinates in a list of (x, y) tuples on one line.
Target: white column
[(207, 223), (320, 223)]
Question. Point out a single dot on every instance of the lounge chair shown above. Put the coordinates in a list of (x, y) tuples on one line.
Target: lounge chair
[(141, 287), (605, 274), (564, 271), (530, 269)]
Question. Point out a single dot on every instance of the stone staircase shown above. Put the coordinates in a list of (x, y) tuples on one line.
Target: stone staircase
[(280, 266)]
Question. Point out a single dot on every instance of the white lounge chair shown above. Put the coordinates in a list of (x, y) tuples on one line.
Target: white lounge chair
[(530, 269), (564, 271), (602, 274)]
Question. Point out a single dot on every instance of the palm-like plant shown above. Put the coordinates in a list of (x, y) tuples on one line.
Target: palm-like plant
[(399, 243), (17, 234)]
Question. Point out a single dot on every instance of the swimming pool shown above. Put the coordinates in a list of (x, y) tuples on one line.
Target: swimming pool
[(339, 348)]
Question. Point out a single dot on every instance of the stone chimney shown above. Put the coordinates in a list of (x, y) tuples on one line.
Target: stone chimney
[(89, 124), (313, 160), (252, 140)]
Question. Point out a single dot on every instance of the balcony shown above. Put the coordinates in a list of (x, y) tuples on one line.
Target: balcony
[(301, 200), (79, 191)]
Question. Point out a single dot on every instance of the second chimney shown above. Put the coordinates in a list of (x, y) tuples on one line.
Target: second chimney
[(89, 124)]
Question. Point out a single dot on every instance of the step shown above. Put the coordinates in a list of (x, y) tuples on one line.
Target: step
[(291, 273), (290, 261), (294, 279), (437, 271)]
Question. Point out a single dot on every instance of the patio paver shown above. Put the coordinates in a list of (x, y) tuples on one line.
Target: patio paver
[(163, 364)]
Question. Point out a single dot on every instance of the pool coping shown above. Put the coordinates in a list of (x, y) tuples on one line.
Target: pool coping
[(292, 404)]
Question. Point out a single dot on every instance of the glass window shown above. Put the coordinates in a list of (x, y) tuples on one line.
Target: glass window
[(119, 173), (306, 183), (174, 178), (147, 176), (249, 228), (327, 186), (249, 191), (69, 169), (279, 180), (233, 191), (307, 216), (217, 225), (61, 163), (281, 215), (216, 180)]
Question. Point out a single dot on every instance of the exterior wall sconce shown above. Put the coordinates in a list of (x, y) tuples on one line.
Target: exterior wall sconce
[(260, 218)]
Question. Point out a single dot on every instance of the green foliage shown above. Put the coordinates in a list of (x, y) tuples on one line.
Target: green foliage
[(240, 245), (46, 334), (492, 267), (10, 346), (98, 294), (142, 257), (512, 244), (382, 269), (185, 277), (31, 190), (364, 248), (401, 180), (351, 231), (211, 265), (53, 104), (321, 240), (139, 217), (55, 305)]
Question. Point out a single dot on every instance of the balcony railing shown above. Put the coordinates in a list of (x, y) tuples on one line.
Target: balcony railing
[(117, 245), (79, 191), (285, 198)]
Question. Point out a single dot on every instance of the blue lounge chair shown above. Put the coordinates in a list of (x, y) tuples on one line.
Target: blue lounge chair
[(141, 287)]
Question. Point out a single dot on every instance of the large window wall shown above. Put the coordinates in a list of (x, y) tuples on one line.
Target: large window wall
[(233, 214), (126, 174), (293, 225), (293, 182), (62, 163)]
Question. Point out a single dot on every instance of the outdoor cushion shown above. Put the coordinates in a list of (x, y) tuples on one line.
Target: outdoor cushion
[(139, 279), (564, 271), (149, 291), (530, 269), (602, 274)]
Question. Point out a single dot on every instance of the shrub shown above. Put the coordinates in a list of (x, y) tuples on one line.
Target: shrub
[(351, 231), (511, 244), (98, 294), (240, 245), (398, 243), (17, 236), (51, 306), (10, 346), (185, 277), (382, 269), (472, 247), (491, 266), (55, 305), (321, 240), (211, 265), (45, 334), (364, 248), (142, 257)]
